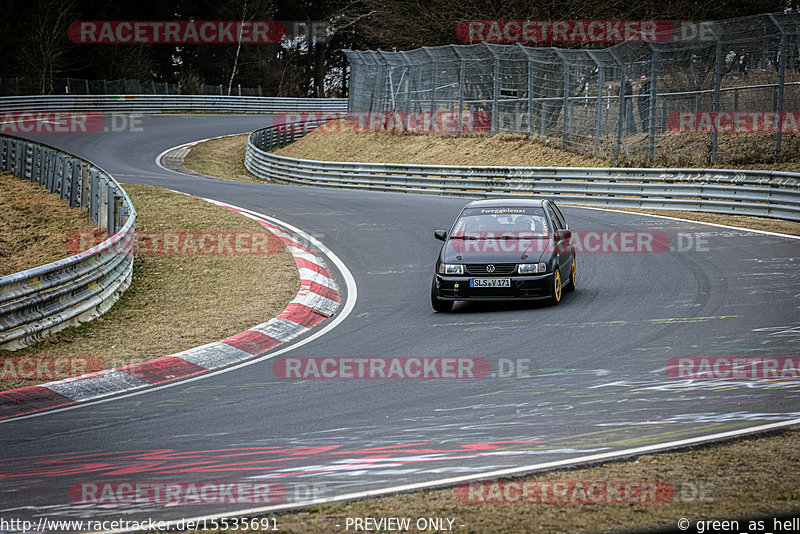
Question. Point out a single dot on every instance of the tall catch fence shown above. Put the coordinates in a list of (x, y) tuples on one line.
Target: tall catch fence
[(724, 94)]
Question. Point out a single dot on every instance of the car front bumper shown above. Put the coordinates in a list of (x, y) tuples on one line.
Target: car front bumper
[(523, 287)]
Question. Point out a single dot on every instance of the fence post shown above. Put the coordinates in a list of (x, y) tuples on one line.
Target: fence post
[(781, 81), (409, 75), (434, 82), (651, 113), (543, 125), (598, 107), (621, 119), (462, 74), (717, 83), (495, 89), (565, 104)]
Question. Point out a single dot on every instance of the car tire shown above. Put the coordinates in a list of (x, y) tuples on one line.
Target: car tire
[(438, 304), (555, 288), (573, 278)]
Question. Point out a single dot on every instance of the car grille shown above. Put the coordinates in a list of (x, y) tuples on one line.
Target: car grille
[(481, 269)]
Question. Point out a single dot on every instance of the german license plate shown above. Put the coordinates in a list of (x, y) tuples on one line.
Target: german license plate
[(489, 282)]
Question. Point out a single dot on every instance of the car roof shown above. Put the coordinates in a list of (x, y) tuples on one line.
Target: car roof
[(507, 203)]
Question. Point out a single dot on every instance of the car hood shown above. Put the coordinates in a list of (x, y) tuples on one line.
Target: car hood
[(495, 251)]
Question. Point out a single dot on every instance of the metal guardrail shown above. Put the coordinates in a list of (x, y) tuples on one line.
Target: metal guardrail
[(79, 288), (169, 103), (734, 192)]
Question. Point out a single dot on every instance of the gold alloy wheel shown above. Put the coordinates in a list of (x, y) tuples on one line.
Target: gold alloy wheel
[(573, 277), (557, 286)]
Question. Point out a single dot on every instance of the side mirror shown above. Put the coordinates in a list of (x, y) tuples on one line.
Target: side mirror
[(441, 235), (561, 235)]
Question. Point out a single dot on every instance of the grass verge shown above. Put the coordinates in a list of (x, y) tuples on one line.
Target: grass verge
[(503, 149), (33, 225), (223, 157), (176, 301)]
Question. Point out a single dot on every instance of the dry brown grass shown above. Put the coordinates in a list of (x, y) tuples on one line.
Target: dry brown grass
[(735, 151), (223, 158), (503, 149), (34, 225), (178, 301), (754, 151)]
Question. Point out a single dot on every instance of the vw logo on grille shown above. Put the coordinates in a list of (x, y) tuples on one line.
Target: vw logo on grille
[(490, 268)]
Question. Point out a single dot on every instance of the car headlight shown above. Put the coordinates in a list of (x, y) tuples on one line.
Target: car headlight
[(451, 268), (532, 268)]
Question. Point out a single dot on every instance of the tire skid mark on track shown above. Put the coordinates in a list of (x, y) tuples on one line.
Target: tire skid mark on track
[(317, 299)]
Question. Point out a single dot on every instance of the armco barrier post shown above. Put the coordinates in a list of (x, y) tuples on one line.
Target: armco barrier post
[(84, 203), (63, 166), (19, 152), (111, 219), (45, 166), (36, 163), (74, 184), (51, 171), (118, 212), (94, 195), (27, 167), (102, 204)]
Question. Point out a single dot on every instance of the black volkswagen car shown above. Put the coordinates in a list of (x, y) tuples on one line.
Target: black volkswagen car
[(508, 249)]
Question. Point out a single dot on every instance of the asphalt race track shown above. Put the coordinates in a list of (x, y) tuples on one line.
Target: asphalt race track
[(597, 381)]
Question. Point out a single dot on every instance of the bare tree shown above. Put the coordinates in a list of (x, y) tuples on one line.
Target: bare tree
[(238, 48), (44, 49)]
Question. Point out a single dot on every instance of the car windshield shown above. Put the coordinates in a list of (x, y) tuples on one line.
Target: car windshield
[(493, 223)]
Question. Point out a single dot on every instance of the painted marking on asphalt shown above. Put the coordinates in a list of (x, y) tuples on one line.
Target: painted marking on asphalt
[(347, 308), (497, 325)]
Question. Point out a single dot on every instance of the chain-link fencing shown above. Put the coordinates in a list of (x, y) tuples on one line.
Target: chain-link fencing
[(727, 94)]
